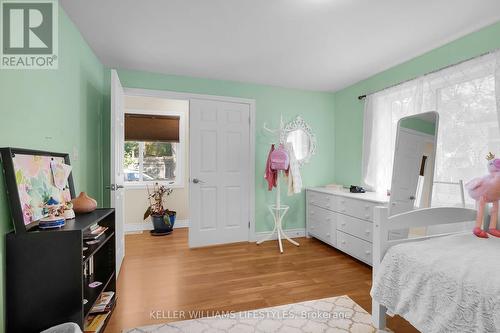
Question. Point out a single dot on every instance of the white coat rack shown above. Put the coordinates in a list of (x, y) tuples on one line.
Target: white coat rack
[(278, 210)]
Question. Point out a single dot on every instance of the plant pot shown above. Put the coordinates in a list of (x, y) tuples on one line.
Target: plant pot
[(172, 216), (159, 223)]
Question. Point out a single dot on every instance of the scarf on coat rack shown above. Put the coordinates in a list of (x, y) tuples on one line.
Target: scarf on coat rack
[(294, 177), (292, 172), (270, 175), (277, 160)]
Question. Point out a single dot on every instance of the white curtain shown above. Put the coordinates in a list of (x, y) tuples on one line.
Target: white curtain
[(468, 102)]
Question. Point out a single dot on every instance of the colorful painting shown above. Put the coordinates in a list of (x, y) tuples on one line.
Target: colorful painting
[(36, 184)]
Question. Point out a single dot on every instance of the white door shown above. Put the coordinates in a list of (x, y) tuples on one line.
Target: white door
[(220, 172), (117, 151), (407, 163)]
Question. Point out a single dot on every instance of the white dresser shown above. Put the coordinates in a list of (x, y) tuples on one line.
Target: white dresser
[(343, 219)]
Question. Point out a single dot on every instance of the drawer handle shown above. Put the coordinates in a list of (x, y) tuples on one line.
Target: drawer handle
[(328, 235), (367, 232), (367, 216), (327, 204), (367, 207), (343, 224), (343, 242), (342, 210), (368, 253)]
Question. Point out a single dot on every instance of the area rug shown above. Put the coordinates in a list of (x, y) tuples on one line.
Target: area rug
[(327, 315)]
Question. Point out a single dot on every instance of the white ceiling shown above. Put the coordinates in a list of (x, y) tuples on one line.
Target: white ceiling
[(307, 44)]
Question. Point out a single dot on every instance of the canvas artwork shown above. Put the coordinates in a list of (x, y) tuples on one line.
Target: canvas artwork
[(38, 179)]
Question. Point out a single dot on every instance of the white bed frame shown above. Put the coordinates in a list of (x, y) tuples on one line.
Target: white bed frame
[(417, 218)]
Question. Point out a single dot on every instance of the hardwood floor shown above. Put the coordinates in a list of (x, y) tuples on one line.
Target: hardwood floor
[(161, 275)]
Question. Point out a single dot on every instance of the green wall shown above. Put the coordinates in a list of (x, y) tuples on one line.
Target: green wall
[(349, 110), (315, 107), (56, 110)]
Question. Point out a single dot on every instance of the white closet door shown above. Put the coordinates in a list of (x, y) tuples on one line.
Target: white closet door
[(220, 158)]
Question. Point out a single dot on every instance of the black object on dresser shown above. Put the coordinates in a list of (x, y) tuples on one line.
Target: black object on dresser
[(47, 283)]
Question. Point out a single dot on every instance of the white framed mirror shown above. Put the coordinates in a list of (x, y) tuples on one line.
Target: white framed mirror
[(300, 135), (414, 162)]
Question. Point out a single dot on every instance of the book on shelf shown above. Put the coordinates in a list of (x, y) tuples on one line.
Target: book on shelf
[(104, 303), (94, 226), (94, 323), (94, 234)]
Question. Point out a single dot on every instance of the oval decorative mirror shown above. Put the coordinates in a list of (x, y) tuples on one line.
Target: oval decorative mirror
[(300, 135)]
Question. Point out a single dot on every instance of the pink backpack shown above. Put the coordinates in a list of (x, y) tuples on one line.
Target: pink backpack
[(279, 159)]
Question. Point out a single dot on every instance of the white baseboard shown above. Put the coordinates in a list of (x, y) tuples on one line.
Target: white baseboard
[(292, 233), (145, 226), (181, 224), (131, 228)]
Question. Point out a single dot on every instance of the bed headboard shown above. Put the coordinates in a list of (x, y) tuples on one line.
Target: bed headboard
[(383, 225)]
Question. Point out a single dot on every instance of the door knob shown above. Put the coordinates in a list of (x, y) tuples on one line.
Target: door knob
[(113, 187), (412, 197), (198, 181)]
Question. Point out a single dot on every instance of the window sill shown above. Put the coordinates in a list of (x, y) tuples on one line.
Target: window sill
[(145, 185)]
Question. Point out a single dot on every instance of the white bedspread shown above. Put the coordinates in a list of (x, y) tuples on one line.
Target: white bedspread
[(446, 284)]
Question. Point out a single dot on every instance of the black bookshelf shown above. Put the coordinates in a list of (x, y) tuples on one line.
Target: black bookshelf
[(46, 284)]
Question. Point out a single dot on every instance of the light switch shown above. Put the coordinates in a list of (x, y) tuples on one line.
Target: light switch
[(75, 154)]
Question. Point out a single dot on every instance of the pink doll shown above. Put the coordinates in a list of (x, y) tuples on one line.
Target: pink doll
[(484, 190)]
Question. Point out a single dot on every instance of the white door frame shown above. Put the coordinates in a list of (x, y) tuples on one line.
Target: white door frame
[(117, 192), (189, 96)]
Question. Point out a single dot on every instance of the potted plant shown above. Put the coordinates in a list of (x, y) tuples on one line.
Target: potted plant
[(163, 222), (171, 216)]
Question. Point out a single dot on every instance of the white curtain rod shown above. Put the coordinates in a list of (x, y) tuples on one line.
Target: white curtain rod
[(361, 97)]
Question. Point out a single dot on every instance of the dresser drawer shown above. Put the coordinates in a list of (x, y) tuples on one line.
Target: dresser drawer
[(357, 208), (322, 200), (356, 247), (355, 227), (321, 223)]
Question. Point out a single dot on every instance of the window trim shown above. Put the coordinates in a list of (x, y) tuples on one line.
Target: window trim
[(180, 151)]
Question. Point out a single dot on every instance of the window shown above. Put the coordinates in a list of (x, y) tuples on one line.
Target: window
[(158, 162), (153, 150), (468, 130), (466, 99)]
